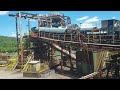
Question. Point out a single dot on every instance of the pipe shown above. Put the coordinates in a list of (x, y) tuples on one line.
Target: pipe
[(89, 75), (63, 50)]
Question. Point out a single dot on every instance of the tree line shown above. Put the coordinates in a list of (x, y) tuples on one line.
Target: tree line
[(8, 44)]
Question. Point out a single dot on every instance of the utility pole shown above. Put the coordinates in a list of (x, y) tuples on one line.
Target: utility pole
[(18, 18), (17, 35), (21, 49)]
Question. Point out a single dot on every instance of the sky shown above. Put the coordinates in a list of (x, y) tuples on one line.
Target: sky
[(88, 19)]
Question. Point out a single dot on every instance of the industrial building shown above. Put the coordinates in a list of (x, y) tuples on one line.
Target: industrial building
[(108, 33), (58, 46)]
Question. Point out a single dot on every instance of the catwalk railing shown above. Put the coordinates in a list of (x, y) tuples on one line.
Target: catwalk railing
[(78, 39)]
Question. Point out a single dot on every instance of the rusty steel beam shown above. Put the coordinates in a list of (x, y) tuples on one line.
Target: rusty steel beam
[(64, 51), (35, 16), (23, 16), (28, 14), (95, 44), (92, 75), (89, 45)]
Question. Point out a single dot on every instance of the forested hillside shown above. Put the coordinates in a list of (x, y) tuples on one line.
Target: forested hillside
[(7, 44)]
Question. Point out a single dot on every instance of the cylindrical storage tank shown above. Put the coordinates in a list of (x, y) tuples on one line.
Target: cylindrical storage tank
[(51, 30)]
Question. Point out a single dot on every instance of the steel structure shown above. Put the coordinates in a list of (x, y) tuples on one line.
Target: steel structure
[(45, 43)]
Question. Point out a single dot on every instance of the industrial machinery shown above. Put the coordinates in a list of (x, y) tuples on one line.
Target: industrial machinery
[(55, 32), (113, 67), (108, 33), (56, 25)]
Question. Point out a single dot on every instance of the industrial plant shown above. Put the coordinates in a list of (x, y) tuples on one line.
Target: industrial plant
[(56, 46)]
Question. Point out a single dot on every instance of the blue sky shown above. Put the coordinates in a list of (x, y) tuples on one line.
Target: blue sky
[(87, 18)]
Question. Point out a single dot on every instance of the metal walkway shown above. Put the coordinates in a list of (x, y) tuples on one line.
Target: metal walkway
[(80, 43)]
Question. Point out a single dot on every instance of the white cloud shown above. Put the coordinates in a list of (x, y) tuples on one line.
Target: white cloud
[(13, 34), (3, 12), (32, 20), (113, 17), (89, 22), (87, 25), (83, 18), (94, 19)]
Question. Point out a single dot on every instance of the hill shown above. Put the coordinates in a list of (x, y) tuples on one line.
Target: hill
[(7, 44)]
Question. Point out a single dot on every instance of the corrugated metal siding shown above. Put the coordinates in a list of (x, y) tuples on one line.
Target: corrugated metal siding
[(99, 58)]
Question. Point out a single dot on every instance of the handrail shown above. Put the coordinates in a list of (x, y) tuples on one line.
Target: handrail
[(26, 65)]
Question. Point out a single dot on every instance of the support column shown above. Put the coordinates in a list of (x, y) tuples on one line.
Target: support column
[(88, 38), (113, 39), (61, 58), (48, 54), (52, 54), (70, 48)]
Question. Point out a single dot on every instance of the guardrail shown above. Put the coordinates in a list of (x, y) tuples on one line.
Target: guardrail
[(102, 39)]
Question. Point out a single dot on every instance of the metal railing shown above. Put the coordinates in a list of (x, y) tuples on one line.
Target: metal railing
[(102, 39), (60, 36), (109, 39)]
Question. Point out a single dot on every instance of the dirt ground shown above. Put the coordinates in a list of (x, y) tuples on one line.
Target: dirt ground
[(4, 74)]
